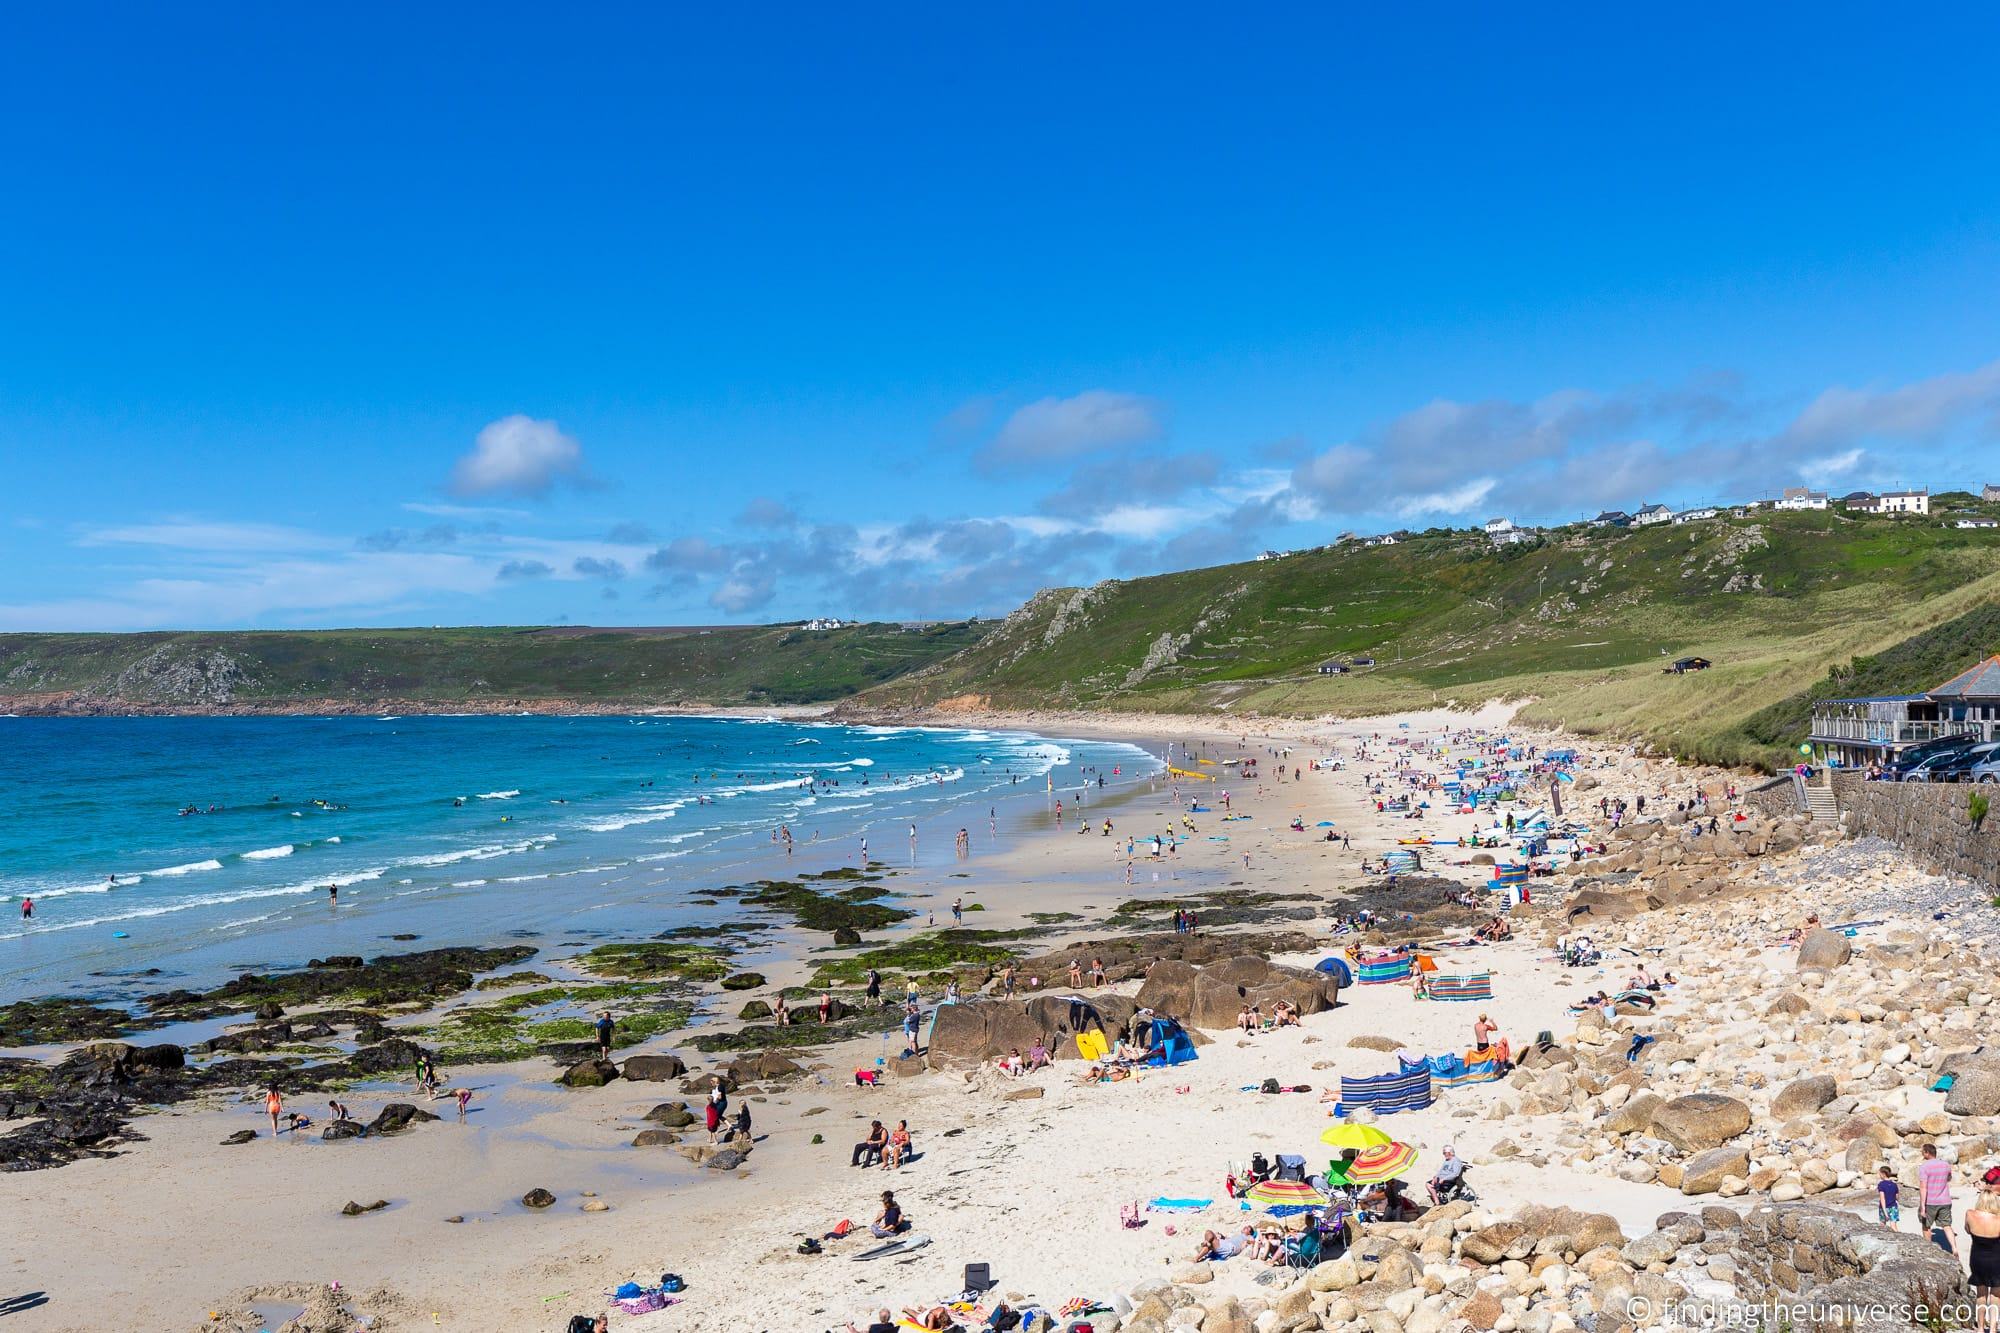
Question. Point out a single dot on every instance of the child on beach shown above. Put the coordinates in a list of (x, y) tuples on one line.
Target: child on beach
[(1886, 1210)]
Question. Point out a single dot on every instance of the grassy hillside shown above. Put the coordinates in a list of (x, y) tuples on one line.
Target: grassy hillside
[(1580, 623), (1928, 658), (726, 665)]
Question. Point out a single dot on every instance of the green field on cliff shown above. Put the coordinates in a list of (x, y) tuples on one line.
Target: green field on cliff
[(1578, 623)]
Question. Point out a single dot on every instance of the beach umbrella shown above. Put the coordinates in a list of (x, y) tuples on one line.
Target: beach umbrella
[(1351, 1135), (1284, 1194), (1382, 1162)]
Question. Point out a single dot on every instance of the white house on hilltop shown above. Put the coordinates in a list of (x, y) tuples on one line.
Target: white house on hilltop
[(1496, 526), (1798, 497), (1651, 514), (1895, 502), (1695, 515), (1990, 493)]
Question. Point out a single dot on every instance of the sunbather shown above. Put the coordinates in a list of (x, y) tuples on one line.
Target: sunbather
[(937, 1316), (1225, 1246)]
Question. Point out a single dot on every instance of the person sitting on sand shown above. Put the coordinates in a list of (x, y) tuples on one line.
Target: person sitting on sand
[(1012, 1064), (1642, 979), (890, 1220), (899, 1147), (1244, 1021), (883, 1324), (1038, 1055), (869, 1151), (1284, 1014)]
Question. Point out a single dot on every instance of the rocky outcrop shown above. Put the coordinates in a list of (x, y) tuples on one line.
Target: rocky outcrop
[(1212, 996)]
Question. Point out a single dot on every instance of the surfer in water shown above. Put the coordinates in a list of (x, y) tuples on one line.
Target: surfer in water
[(333, 893)]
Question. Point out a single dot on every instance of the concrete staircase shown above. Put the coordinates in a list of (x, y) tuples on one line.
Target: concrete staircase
[(1820, 804)]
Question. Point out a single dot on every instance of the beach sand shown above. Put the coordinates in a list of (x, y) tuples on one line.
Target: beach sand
[(177, 1227)]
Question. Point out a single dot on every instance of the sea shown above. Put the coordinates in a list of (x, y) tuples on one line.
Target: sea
[(180, 851)]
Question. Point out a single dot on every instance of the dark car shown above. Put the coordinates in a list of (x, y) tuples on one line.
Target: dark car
[(1900, 768), (1687, 664), (1957, 766)]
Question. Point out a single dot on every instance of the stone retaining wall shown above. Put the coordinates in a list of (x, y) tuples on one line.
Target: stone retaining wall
[(1778, 798), (1928, 821)]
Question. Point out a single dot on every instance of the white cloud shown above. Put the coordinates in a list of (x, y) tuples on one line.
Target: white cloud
[(463, 511), (195, 535), (1458, 500), (517, 455), (1056, 428), (1825, 471)]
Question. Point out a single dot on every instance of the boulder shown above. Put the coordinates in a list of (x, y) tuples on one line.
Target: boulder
[(753, 1011), (1974, 1092), (1700, 1120), (655, 1138), (653, 1068), (744, 981), (1705, 1171), (589, 1074), (537, 1198), (673, 1115), (395, 1118), (846, 937), (1489, 1244), (1823, 950), (336, 1130), (1635, 1116), (762, 1066), (354, 1209), (1803, 1096), (728, 1159), (239, 1137), (1212, 996)]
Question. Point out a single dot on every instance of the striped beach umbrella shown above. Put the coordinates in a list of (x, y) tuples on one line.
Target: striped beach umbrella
[(1351, 1135), (1284, 1193), (1382, 1162)]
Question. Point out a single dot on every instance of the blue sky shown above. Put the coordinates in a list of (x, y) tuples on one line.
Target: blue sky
[(496, 315)]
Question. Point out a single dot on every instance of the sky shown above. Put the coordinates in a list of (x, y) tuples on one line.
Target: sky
[(443, 314)]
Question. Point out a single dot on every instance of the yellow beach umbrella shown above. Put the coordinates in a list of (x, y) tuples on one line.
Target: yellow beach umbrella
[(1350, 1135)]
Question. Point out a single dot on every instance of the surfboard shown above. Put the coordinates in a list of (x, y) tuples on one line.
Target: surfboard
[(1092, 1045), (901, 1246)]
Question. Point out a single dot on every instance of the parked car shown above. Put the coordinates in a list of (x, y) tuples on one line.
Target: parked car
[(1986, 771), (1958, 765), (1900, 768)]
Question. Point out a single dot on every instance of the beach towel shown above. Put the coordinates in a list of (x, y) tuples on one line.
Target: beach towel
[(1166, 1205)]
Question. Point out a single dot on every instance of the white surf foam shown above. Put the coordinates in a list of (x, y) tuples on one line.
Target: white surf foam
[(268, 853)]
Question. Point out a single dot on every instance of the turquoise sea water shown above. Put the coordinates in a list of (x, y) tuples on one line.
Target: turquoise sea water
[(462, 830)]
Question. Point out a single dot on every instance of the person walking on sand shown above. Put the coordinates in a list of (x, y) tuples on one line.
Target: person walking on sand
[(874, 987), (958, 911), (274, 1106), (1934, 1191), (604, 1030)]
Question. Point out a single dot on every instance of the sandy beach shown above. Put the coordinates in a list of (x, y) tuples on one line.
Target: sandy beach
[(1025, 1174)]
